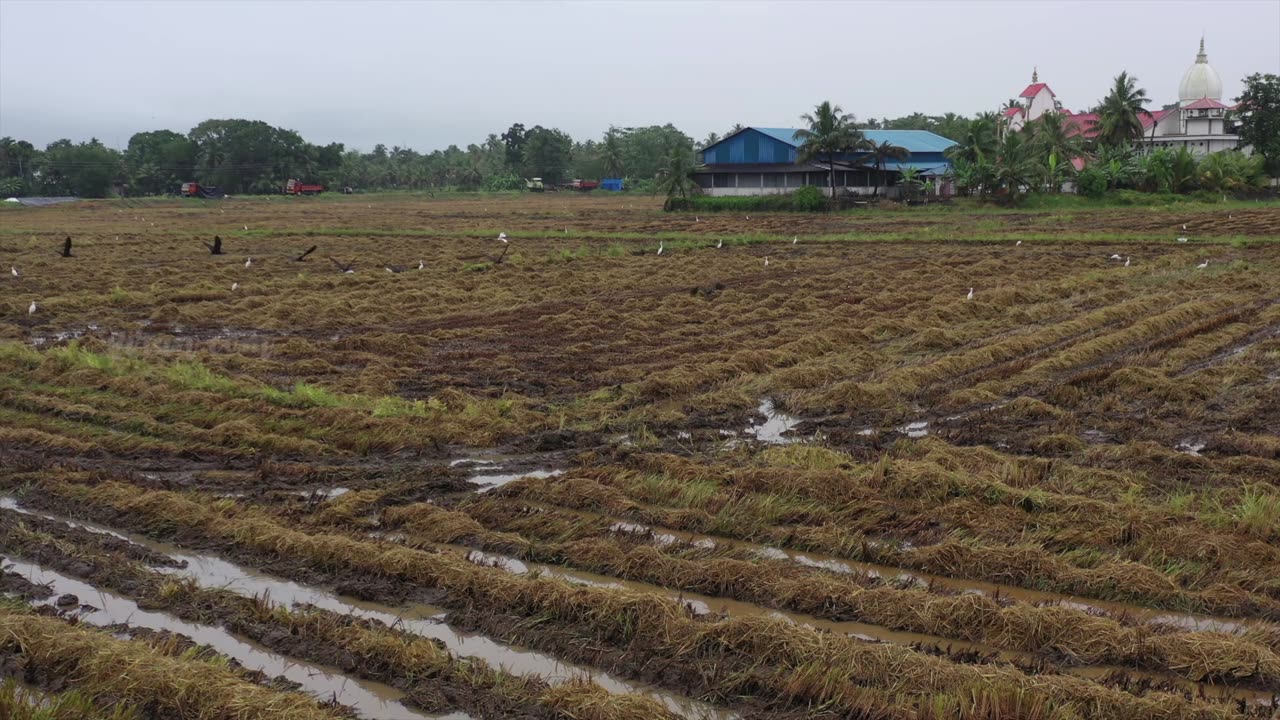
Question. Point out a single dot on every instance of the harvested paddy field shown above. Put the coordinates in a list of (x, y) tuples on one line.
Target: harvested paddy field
[(785, 468)]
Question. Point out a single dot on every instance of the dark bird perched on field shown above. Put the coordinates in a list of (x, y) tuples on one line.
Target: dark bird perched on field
[(216, 247), (347, 269), (304, 255), (66, 247)]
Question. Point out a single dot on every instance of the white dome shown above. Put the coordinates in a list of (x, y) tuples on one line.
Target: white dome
[(1200, 81)]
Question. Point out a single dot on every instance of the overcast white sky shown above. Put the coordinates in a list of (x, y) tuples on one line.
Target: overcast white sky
[(428, 74)]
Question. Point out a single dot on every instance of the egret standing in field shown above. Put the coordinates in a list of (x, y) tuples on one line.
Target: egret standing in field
[(31, 310), (970, 295), (248, 261), (697, 219), (660, 246), (766, 261), (502, 236), (1115, 256), (1203, 265), (795, 239), (235, 286), (1182, 239), (246, 227), (1017, 243), (15, 272), (421, 265), (1126, 261), (719, 243)]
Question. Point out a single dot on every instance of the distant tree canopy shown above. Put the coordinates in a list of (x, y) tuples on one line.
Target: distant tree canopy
[(250, 156), (1260, 118)]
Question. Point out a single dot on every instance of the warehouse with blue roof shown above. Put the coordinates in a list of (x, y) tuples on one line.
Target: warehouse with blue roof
[(765, 161)]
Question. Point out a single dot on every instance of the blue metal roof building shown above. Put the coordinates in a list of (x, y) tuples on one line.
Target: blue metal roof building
[(757, 161)]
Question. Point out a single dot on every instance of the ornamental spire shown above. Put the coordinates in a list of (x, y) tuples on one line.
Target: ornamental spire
[(1035, 71), (1201, 57)]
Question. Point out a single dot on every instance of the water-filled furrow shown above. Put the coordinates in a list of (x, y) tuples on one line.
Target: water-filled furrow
[(371, 699), (211, 571)]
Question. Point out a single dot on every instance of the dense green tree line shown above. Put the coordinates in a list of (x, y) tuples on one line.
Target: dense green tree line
[(248, 156)]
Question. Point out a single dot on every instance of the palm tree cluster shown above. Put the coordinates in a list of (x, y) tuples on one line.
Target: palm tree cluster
[(1044, 155)]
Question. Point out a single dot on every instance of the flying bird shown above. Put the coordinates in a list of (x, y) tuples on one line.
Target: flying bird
[(1203, 265), (659, 247), (348, 269), (970, 295), (216, 247), (32, 309), (304, 255), (248, 261), (66, 247)]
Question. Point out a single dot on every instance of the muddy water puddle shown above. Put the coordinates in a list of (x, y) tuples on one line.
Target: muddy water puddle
[(210, 571), (371, 699)]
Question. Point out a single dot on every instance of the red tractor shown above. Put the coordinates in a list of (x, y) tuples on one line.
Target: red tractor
[(294, 187)]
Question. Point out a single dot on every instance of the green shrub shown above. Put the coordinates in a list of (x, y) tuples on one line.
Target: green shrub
[(808, 199), (1091, 182)]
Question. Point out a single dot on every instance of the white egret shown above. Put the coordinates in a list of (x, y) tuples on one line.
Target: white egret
[(1184, 226), (248, 261), (660, 246), (719, 244), (32, 309), (766, 261), (795, 239), (502, 236), (1017, 243), (970, 295), (1203, 265), (246, 227), (697, 219), (421, 265), (235, 287), (1126, 261), (1182, 239), (15, 272), (1114, 256)]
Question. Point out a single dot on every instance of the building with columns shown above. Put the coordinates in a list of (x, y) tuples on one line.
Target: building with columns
[(1198, 121)]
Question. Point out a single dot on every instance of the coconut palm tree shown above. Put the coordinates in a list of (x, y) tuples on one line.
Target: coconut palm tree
[(1057, 141), (831, 131), (611, 152), (675, 179), (1118, 120), (880, 153)]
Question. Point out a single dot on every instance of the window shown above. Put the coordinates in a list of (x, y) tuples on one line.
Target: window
[(818, 179), (748, 180), (774, 180), (723, 180), (703, 180), (795, 179)]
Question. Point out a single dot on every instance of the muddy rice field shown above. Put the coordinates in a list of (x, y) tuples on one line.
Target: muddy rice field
[(918, 465)]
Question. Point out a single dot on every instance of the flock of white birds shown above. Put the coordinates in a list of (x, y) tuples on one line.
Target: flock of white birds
[(502, 236)]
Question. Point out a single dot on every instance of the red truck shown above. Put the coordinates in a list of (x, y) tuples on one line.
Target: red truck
[(294, 187), (581, 185)]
